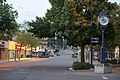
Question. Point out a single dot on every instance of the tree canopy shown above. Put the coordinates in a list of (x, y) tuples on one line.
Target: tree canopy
[(40, 27), (8, 24), (27, 39), (72, 19), (116, 21)]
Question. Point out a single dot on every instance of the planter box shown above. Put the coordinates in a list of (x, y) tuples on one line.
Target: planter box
[(103, 68)]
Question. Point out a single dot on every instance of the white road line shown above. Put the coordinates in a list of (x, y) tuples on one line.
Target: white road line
[(104, 77)]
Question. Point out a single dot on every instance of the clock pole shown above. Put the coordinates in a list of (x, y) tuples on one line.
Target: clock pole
[(103, 21), (103, 50), (102, 67)]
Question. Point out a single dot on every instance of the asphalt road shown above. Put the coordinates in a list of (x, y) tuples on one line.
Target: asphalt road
[(55, 68)]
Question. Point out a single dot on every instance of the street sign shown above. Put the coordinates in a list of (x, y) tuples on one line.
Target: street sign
[(95, 40)]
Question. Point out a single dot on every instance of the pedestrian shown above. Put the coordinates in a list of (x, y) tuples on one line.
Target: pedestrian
[(43, 51)]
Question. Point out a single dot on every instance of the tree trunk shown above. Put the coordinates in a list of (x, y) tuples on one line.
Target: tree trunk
[(35, 52), (31, 52), (119, 53), (82, 53), (20, 51)]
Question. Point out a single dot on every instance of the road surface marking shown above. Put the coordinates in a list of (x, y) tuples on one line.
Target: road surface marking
[(104, 77)]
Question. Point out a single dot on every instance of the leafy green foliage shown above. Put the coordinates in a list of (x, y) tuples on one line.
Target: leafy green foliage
[(40, 27), (28, 39), (80, 66), (109, 37), (76, 66), (8, 23), (43, 56), (116, 24), (114, 61)]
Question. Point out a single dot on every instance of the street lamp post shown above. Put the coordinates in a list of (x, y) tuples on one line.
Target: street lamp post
[(91, 52)]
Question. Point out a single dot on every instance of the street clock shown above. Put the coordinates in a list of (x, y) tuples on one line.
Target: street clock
[(103, 22), (103, 19)]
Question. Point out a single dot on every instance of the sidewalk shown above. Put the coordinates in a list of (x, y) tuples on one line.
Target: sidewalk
[(12, 60)]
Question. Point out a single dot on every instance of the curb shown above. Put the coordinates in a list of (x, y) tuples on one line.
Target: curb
[(6, 61), (115, 65)]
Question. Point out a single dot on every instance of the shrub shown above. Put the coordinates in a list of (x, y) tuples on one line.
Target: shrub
[(43, 56), (114, 61), (74, 56), (76, 65), (87, 65), (80, 66)]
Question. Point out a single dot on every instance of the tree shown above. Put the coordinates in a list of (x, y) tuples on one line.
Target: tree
[(81, 11), (40, 27), (54, 15), (27, 39), (116, 24), (8, 23), (72, 19)]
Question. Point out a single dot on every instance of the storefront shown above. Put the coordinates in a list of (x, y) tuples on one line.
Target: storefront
[(21, 50), (28, 51), (12, 50), (117, 54), (3, 49)]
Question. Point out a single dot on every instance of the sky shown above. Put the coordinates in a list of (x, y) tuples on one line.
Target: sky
[(29, 9)]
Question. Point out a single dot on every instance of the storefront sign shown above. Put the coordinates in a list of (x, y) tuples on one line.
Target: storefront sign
[(19, 47), (28, 48), (11, 45)]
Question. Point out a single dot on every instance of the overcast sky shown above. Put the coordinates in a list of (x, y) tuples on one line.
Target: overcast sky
[(29, 9)]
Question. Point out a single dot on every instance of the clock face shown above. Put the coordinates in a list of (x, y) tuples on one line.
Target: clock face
[(103, 20)]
